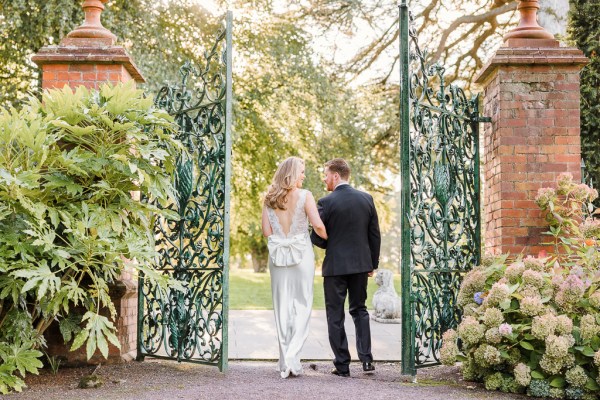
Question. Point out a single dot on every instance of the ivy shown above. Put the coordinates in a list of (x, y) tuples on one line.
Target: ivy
[(584, 30)]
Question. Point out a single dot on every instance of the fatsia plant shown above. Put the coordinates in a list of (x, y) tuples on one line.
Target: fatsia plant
[(71, 167)]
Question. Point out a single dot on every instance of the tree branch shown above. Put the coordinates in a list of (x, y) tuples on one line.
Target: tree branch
[(471, 19)]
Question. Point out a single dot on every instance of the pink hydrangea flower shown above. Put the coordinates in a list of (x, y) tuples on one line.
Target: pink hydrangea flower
[(505, 329)]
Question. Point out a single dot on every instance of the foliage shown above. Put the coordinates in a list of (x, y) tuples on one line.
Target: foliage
[(534, 324), (152, 31), (53, 362), (584, 30), (288, 104), (69, 223), (288, 99), (460, 34)]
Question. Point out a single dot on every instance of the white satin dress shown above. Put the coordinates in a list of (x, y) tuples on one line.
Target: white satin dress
[(292, 267)]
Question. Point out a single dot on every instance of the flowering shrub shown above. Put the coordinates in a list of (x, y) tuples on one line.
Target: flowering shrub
[(533, 325)]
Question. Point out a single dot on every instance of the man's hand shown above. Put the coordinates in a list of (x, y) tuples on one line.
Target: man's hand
[(371, 273)]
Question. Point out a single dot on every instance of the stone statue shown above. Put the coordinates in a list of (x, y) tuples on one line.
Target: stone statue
[(386, 302)]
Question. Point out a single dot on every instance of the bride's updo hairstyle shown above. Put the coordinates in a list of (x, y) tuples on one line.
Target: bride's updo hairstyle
[(284, 181)]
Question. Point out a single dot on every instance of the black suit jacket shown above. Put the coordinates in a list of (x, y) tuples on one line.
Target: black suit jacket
[(352, 225)]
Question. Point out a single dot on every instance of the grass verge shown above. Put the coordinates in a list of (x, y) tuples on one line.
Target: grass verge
[(252, 291)]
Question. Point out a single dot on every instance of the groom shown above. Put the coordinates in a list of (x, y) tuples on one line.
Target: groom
[(351, 255)]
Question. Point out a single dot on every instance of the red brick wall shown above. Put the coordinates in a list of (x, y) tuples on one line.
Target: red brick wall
[(126, 304), (532, 96), (88, 75)]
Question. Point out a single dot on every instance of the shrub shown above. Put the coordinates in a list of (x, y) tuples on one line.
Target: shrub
[(540, 315), (69, 225), (584, 31)]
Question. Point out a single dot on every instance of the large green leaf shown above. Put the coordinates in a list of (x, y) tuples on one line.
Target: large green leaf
[(24, 358), (69, 326), (592, 385), (526, 345), (588, 351), (42, 278), (8, 380), (537, 375), (558, 382)]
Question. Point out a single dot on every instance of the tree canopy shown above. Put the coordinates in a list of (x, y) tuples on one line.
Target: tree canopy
[(289, 104), (152, 31), (294, 95), (460, 34), (287, 100)]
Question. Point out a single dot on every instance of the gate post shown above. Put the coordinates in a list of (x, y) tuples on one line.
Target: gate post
[(89, 57), (408, 356), (531, 92)]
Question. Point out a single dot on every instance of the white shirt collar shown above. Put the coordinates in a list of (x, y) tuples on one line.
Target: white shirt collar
[(340, 184)]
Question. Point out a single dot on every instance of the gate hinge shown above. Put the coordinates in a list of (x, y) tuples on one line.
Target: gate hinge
[(482, 119)]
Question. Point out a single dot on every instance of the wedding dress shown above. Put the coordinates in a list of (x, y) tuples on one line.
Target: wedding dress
[(292, 267)]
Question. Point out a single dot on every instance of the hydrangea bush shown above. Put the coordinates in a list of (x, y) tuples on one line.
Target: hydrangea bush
[(533, 325)]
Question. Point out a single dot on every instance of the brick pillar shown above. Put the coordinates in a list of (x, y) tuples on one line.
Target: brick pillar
[(531, 92), (88, 56)]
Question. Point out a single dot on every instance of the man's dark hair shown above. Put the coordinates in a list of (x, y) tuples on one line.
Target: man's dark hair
[(340, 166)]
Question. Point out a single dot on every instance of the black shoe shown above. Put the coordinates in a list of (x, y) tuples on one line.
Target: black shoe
[(368, 367), (337, 372)]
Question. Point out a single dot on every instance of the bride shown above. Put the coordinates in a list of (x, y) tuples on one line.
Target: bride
[(287, 209)]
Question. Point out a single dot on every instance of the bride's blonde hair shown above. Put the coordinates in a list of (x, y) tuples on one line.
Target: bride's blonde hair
[(284, 181)]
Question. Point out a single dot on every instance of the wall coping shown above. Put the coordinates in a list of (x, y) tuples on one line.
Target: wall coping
[(531, 55), (88, 55)]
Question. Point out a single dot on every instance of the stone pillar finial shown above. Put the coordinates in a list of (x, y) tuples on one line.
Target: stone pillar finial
[(528, 27), (92, 27)]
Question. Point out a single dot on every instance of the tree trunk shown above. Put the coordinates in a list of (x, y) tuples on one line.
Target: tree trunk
[(259, 260)]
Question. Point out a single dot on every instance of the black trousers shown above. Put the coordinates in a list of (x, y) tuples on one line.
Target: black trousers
[(336, 288)]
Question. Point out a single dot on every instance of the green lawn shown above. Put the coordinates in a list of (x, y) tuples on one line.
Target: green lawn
[(251, 291)]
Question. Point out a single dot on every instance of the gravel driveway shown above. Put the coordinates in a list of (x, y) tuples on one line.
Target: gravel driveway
[(156, 379)]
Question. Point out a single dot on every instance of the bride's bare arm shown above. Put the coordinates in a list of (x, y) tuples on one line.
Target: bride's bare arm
[(313, 216), (266, 225)]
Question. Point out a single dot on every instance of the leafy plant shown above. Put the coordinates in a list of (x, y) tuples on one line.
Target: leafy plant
[(534, 324), (69, 223), (53, 362), (584, 30)]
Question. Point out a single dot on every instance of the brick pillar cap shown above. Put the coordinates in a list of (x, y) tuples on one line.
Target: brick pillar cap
[(528, 27), (531, 56), (92, 28), (88, 55)]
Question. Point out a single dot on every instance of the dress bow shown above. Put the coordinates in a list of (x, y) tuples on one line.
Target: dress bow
[(286, 252)]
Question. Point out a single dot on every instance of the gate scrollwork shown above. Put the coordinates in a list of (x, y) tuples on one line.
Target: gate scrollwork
[(440, 204), (191, 324)]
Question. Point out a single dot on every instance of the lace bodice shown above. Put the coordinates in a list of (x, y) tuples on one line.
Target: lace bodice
[(299, 219)]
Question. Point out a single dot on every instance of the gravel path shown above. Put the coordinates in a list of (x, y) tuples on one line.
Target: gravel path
[(156, 379)]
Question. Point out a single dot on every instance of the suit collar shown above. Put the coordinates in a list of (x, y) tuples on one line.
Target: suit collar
[(343, 186)]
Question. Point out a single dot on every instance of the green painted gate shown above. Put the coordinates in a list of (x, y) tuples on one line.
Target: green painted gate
[(191, 325), (441, 237)]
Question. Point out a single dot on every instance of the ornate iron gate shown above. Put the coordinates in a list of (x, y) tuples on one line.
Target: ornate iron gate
[(440, 199), (191, 325)]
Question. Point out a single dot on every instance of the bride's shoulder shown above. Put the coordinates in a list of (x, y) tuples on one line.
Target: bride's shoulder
[(306, 193)]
